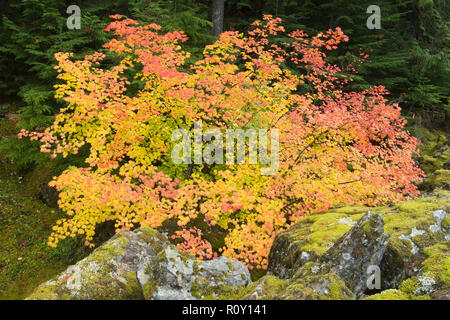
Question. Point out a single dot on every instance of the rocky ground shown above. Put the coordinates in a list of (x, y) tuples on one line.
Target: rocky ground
[(325, 256)]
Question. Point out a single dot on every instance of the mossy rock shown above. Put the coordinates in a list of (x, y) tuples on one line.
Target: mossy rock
[(220, 278), (390, 294), (438, 179), (316, 287), (100, 276), (355, 252), (311, 282), (309, 239), (142, 264), (437, 264), (412, 226), (410, 289), (266, 288), (433, 141), (435, 160)]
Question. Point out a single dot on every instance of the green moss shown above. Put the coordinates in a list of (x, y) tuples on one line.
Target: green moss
[(93, 278), (414, 213), (154, 238), (308, 269), (432, 163), (44, 292), (257, 273), (316, 233), (406, 291), (131, 290), (428, 239), (266, 288), (36, 182), (432, 141), (105, 253), (149, 288), (65, 296), (409, 286), (445, 224), (368, 227), (391, 294), (147, 234), (99, 284), (338, 290), (230, 265), (202, 289), (115, 247), (429, 164), (25, 225), (402, 247), (320, 231), (439, 178), (317, 287), (421, 297), (438, 263)]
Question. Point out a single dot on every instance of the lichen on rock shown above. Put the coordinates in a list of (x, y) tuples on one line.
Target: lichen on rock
[(328, 286), (142, 264), (266, 288), (418, 240), (310, 238)]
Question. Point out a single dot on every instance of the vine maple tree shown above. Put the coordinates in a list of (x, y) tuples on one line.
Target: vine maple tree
[(335, 146)]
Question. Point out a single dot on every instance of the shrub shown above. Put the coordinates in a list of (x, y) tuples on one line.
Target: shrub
[(335, 145)]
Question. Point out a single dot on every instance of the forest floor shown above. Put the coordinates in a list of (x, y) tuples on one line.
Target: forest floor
[(25, 224)]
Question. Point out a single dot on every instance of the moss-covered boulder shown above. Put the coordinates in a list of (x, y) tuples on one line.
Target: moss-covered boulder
[(219, 278), (414, 226), (311, 282), (363, 246), (327, 286), (308, 285), (417, 246), (102, 275), (438, 179), (415, 288), (309, 239), (339, 274), (268, 287), (142, 264)]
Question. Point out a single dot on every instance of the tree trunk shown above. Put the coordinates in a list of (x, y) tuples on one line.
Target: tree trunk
[(218, 10)]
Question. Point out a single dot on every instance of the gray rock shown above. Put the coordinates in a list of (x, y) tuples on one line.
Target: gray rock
[(143, 265), (441, 295), (361, 247)]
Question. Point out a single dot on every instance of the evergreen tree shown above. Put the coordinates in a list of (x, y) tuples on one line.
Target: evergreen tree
[(33, 31)]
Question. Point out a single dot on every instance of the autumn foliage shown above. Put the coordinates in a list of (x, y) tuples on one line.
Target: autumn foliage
[(336, 146)]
